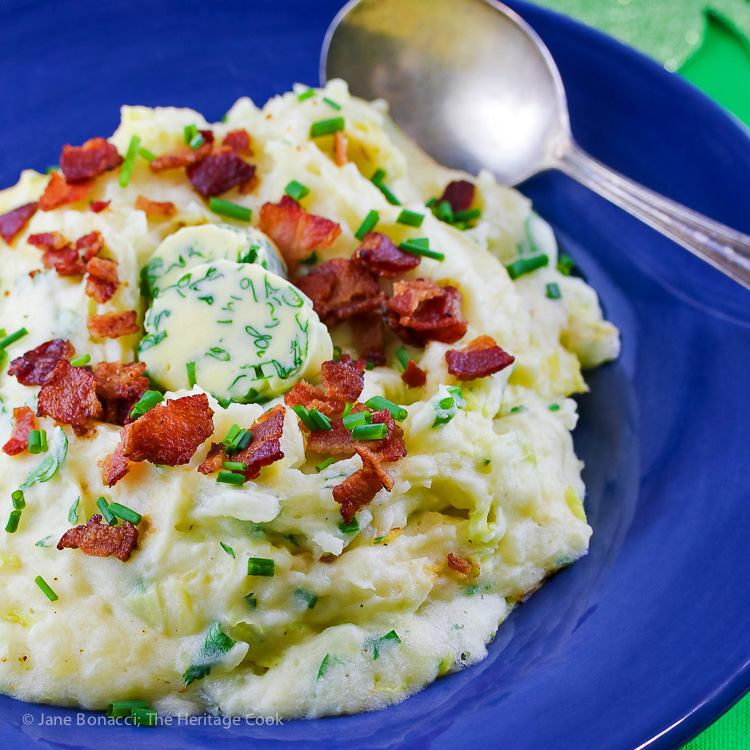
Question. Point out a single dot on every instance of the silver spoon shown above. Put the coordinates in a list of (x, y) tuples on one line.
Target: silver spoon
[(475, 86)]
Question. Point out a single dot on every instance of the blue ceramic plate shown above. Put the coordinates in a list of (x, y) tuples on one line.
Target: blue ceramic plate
[(646, 640)]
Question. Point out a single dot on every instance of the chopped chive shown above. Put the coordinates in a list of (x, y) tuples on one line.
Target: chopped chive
[(369, 365), (106, 512), (553, 291), (308, 597), (84, 359), (45, 542), (403, 356), (379, 402), (52, 168), (19, 501), (325, 464), (349, 528), (321, 420), (337, 353), (234, 430), (240, 442), (260, 566), (197, 141), (228, 477), (347, 410), (411, 247), (378, 177), (430, 203), (144, 153), (189, 133), (304, 415), (554, 407), (369, 223), (526, 265), (377, 180), (410, 219), (392, 636), (311, 259), (43, 436), (227, 549), (226, 208), (147, 402), (326, 127), (126, 170), (518, 409), (305, 95), (370, 431), (44, 586), (234, 466), (8, 340), (12, 525), (470, 215), (332, 103), (123, 709), (35, 442), (190, 366), (125, 513), (251, 600), (297, 190), (444, 212), (144, 717), (359, 418), (565, 264), (73, 512)]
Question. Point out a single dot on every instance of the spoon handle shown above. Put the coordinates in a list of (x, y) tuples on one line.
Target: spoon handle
[(722, 247)]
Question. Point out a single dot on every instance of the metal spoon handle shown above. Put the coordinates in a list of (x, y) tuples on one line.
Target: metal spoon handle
[(723, 247)]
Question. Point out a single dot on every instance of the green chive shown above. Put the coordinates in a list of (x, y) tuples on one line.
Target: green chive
[(377, 403), (52, 168), (19, 501), (392, 636), (359, 418), (367, 225), (303, 414), (260, 566), (347, 410), (234, 466), (311, 259), (565, 264), (144, 153), (332, 103), (147, 402), (378, 177), (403, 356), (413, 248), (326, 127), (43, 436), (228, 477), (349, 528), (554, 407), (526, 265), (297, 190), (377, 180), (470, 215), (370, 431), (123, 709), (225, 208), (45, 542), (197, 141), (73, 512), (337, 353), (234, 430), (432, 202), (125, 513), (309, 598), (251, 600), (84, 359), (553, 291), (35, 442), (44, 586), (144, 717), (305, 95), (518, 409), (321, 420), (8, 340), (190, 366), (12, 525), (325, 464), (237, 440), (445, 212), (189, 133), (227, 549), (106, 512), (410, 219), (126, 170)]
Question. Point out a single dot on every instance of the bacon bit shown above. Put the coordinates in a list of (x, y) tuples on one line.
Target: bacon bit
[(421, 311), (342, 381), (368, 333), (119, 386), (327, 559), (89, 245), (66, 259), (340, 147), (13, 222), (102, 281), (96, 156), (337, 441), (59, 193), (379, 255), (34, 367), (265, 447), (112, 325), (414, 376), (219, 172), (69, 396), (239, 141), (465, 568), (296, 233), (360, 488), (155, 209), (24, 422), (185, 156), (99, 539), (48, 241), (482, 357), (98, 206), (114, 467), (340, 288), (170, 433), (32, 274), (312, 397), (214, 459), (391, 448), (460, 194)]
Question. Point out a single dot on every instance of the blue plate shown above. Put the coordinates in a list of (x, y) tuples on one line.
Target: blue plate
[(646, 640)]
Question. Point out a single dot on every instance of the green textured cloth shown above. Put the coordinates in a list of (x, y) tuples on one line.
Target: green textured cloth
[(706, 41)]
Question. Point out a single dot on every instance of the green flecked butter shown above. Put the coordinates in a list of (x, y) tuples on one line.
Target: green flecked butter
[(251, 334)]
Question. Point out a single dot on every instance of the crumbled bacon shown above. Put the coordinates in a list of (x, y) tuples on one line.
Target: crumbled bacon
[(482, 357), (47, 241), (463, 567), (340, 288), (379, 255), (119, 386), (342, 380), (219, 172), (421, 311), (112, 325), (340, 147), (34, 367), (102, 281), (66, 259), (368, 335), (24, 422), (460, 194), (391, 448), (296, 232), (155, 209), (98, 206), (100, 539), (414, 376), (312, 397), (214, 459), (359, 489), (13, 222), (114, 467), (59, 193), (69, 396), (239, 141), (185, 156), (96, 156), (170, 433)]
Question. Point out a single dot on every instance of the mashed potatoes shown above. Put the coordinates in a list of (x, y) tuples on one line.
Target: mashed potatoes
[(354, 616)]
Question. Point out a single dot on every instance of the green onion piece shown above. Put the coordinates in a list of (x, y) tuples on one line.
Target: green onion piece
[(359, 418), (308, 597), (52, 168), (305, 95), (369, 365), (369, 223), (565, 264), (147, 402), (144, 717), (144, 153), (234, 466), (311, 259), (321, 420), (349, 528), (251, 600), (260, 566), (303, 414), (35, 442), (73, 512), (411, 247), (2, 333), (44, 586), (444, 212), (237, 440), (19, 501), (106, 512), (84, 359), (432, 202), (347, 410), (227, 549), (370, 431), (297, 190), (397, 412), (323, 666), (403, 356), (8, 340), (197, 141), (190, 366), (332, 103), (470, 215), (228, 477), (326, 127), (126, 170), (389, 196), (189, 133), (234, 430), (125, 513), (226, 208), (518, 409), (392, 636), (123, 709), (337, 353), (553, 291), (43, 436), (46, 541), (378, 177), (526, 265), (410, 219), (325, 464), (243, 440), (554, 407), (12, 525)]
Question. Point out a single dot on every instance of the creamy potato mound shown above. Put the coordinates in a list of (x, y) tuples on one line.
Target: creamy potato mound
[(351, 620)]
